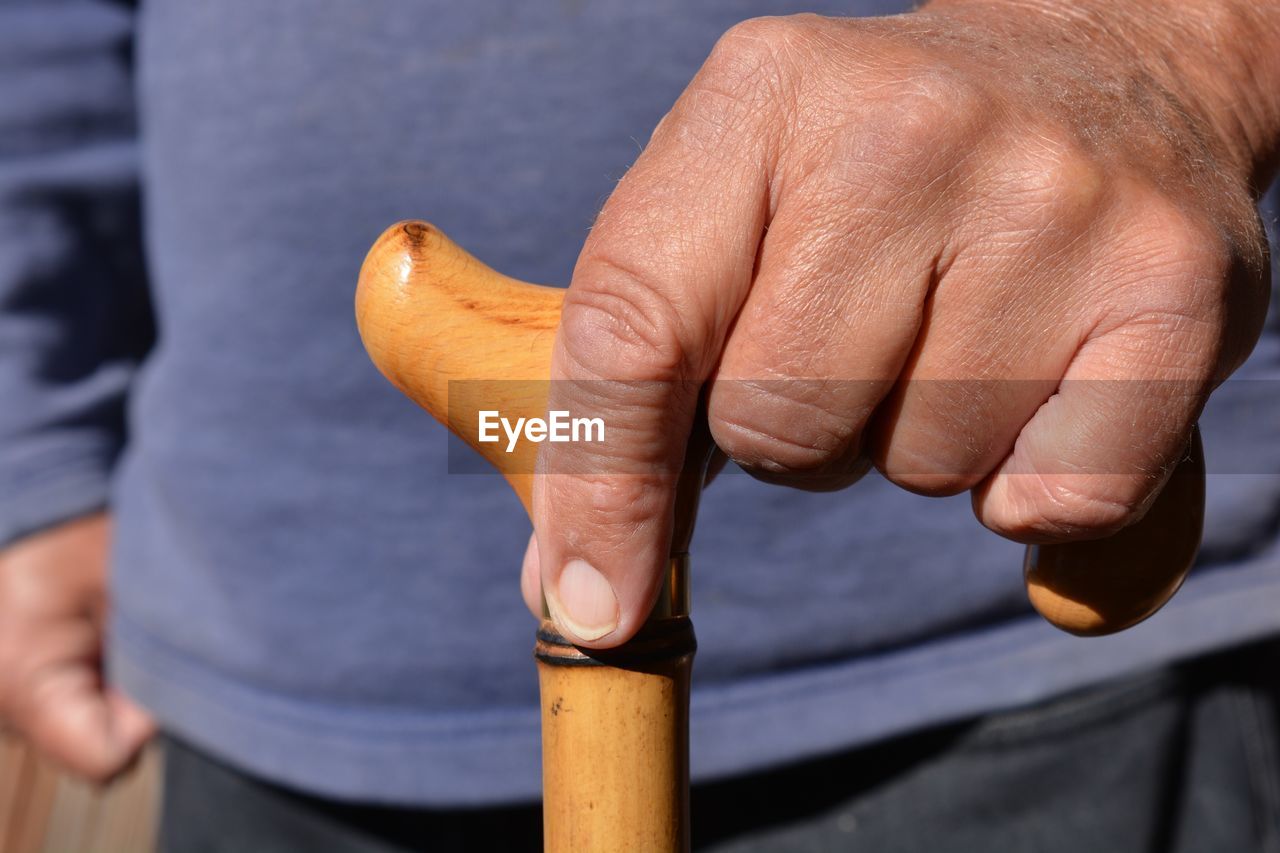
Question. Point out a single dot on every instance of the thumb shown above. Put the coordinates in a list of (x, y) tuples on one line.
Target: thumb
[(659, 282)]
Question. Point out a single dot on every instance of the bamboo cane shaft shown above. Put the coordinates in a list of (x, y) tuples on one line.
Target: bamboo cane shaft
[(615, 744)]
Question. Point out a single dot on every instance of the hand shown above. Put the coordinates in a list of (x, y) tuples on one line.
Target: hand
[(52, 603), (1006, 247)]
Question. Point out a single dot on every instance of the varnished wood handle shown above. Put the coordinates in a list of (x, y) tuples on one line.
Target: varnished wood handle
[(437, 322)]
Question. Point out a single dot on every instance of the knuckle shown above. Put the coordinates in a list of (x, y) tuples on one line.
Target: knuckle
[(774, 432), (1202, 287), (15, 666), (1052, 184), (754, 56), (935, 88), (98, 769), (621, 328), (97, 773), (920, 126), (934, 102), (1176, 276), (1181, 248), (1159, 339), (760, 42), (940, 437)]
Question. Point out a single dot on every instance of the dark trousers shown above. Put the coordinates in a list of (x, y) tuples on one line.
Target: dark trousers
[(1183, 759)]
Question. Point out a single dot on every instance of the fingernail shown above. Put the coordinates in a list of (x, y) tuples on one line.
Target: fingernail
[(585, 603)]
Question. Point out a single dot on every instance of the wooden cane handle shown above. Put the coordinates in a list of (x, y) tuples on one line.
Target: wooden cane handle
[(446, 329)]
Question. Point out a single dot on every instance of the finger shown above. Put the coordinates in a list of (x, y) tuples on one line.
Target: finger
[(1095, 455), (1092, 458), (658, 283), (93, 733), (1002, 325), (860, 237), (831, 316)]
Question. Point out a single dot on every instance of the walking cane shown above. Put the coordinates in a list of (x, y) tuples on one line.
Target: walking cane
[(457, 338)]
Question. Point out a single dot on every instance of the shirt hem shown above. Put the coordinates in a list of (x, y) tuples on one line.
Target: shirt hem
[(490, 757)]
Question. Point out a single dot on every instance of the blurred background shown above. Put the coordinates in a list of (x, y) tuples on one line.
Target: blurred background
[(45, 810)]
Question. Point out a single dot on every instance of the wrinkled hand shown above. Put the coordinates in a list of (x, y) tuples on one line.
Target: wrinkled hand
[(1006, 247), (52, 603)]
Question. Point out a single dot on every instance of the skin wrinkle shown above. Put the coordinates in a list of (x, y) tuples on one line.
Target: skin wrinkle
[(722, 122), (790, 452), (1051, 514), (862, 173), (988, 264), (770, 129), (955, 433), (1027, 510), (819, 235), (790, 314), (952, 487), (619, 320)]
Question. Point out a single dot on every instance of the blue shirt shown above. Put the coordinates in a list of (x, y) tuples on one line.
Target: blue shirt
[(300, 585)]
